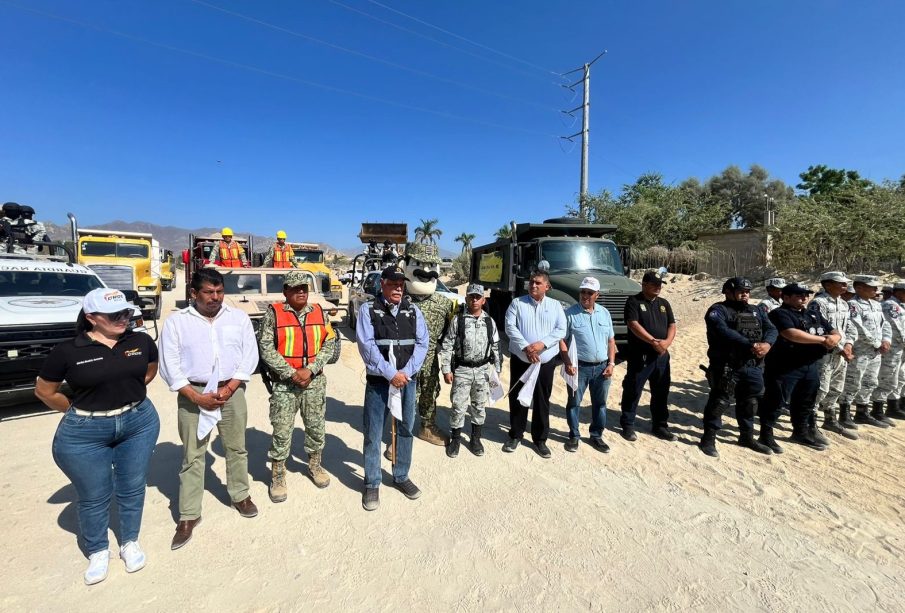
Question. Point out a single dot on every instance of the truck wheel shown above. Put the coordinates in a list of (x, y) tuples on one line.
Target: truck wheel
[(158, 310), (337, 351)]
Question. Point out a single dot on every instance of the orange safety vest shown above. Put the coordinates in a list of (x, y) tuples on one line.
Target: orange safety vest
[(282, 256), (299, 344), (229, 255)]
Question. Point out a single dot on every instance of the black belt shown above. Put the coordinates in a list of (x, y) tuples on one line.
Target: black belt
[(583, 363), (219, 383)]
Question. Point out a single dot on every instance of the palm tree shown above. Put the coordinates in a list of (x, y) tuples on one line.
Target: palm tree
[(504, 231), (465, 239), (428, 232)]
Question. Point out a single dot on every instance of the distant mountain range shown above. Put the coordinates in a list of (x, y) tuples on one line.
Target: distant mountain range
[(177, 239)]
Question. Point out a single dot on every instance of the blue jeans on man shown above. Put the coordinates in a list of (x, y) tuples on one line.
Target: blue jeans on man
[(589, 377), (103, 455), (375, 415)]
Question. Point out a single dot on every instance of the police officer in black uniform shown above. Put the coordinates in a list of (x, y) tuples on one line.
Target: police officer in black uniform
[(739, 335), (793, 368)]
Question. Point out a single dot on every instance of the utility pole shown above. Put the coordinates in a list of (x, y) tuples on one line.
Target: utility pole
[(585, 131)]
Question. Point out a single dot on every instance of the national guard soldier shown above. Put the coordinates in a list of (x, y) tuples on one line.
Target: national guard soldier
[(829, 303), (296, 342), (739, 335), (892, 364), (791, 369), (774, 295), (874, 336), (35, 229), (12, 232), (470, 347), (280, 254)]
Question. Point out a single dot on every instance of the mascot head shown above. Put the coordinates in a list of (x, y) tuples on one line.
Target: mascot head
[(422, 266)]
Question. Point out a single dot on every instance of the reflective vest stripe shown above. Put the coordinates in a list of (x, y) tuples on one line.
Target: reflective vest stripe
[(296, 343), (229, 255)]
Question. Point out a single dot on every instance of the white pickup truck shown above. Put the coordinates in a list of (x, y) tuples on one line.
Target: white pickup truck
[(40, 299)]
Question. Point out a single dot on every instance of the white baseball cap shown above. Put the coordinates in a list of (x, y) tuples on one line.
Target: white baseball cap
[(590, 283), (105, 300)]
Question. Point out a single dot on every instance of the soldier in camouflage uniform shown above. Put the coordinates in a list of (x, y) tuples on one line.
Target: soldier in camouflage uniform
[(35, 229), (11, 225), (892, 364), (470, 347), (421, 286), (873, 341), (774, 295), (296, 358), (829, 303)]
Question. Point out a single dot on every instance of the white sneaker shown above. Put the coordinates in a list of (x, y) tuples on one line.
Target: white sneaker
[(133, 556), (97, 567)]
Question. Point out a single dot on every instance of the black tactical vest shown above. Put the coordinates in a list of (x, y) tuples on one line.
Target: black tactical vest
[(398, 332)]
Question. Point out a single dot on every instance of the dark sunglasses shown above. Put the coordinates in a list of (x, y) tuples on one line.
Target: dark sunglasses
[(118, 316)]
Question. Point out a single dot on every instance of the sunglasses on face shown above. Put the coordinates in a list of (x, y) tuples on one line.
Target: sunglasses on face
[(118, 316), (298, 289), (425, 275)]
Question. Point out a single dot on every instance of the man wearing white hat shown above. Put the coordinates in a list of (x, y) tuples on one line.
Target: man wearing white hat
[(891, 380), (829, 303), (774, 295), (874, 338)]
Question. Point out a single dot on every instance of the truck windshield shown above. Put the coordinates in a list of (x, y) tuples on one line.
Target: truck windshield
[(114, 250), (308, 257), (46, 284), (580, 256)]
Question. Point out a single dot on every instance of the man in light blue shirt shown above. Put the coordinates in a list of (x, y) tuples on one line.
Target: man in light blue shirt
[(534, 324), (591, 326), (390, 324)]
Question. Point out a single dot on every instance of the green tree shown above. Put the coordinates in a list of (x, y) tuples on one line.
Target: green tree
[(428, 232), (747, 195), (505, 231), (465, 239), (823, 180)]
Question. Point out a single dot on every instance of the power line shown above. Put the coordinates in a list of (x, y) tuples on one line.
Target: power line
[(274, 74), (467, 40), (368, 56), (437, 41)]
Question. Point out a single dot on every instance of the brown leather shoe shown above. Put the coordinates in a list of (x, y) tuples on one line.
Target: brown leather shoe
[(184, 532), (246, 508)]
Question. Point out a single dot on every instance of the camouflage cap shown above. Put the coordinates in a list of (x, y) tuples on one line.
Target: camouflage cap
[(777, 282), (474, 288), (866, 280), (835, 275), (294, 278), (429, 254)]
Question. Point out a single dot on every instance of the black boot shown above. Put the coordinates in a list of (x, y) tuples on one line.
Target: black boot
[(862, 417), (830, 423), (475, 444), (766, 438), (746, 439), (845, 416), (814, 433), (708, 443), (877, 413), (801, 435), (452, 447), (895, 408)]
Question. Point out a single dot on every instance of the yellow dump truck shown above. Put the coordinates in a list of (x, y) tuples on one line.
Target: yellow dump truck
[(167, 269), (310, 257), (124, 261)]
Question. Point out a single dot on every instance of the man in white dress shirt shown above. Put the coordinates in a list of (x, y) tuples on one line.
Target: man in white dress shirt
[(208, 352)]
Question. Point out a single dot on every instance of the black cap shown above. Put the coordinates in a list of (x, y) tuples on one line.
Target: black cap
[(651, 277), (393, 273), (793, 288), (735, 284)]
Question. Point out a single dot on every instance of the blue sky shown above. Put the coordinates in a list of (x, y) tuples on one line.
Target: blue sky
[(193, 116)]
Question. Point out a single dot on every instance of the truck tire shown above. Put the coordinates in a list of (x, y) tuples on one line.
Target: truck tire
[(337, 351)]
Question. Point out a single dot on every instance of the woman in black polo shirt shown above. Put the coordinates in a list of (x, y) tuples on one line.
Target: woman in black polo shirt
[(108, 432)]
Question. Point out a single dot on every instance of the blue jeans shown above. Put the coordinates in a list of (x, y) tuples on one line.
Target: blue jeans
[(375, 415), (103, 454), (589, 377)]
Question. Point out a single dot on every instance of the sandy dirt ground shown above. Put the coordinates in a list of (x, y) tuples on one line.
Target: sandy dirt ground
[(650, 526)]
